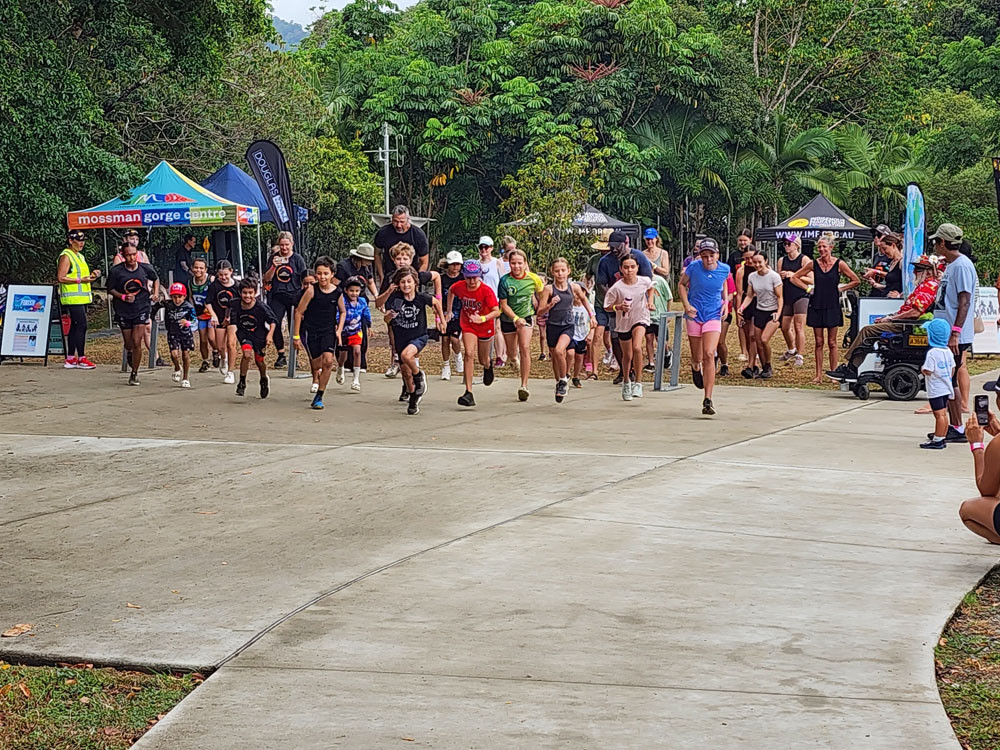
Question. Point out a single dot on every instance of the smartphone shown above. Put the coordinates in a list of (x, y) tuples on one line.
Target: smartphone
[(983, 410)]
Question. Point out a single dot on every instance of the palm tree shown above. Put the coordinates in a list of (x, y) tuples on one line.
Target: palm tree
[(794, 161), (878, 170)]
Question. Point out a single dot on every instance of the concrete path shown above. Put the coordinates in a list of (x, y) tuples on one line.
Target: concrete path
[(591, 574)]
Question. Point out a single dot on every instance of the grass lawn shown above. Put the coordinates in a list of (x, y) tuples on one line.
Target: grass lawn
[(81, 707), (968, 667)]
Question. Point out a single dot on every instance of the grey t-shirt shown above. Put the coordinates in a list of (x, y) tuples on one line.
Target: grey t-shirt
[(764, 290), (960, 276)]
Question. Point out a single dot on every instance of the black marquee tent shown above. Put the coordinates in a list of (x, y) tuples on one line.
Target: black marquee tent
[(591, 220), (817, 216)]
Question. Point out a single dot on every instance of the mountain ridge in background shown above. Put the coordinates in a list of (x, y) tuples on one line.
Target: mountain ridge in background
[(291, 33)]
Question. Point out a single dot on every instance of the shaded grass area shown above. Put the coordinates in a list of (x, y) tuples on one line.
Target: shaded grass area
[(967, 659), (81, 707)]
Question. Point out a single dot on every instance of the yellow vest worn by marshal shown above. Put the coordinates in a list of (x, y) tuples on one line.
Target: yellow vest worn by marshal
[(76, 293)]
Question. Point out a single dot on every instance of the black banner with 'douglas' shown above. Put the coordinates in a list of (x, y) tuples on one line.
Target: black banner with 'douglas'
[(269, 169)]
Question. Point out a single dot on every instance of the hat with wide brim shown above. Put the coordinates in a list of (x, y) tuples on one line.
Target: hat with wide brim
[(602, 240), (364, 251)]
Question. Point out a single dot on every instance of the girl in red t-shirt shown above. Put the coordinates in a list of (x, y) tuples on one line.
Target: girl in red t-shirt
[(479, 309)]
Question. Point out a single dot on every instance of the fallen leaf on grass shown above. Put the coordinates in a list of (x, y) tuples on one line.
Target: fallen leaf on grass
[(130, 605), (17, 630), (24, 689), (112, 731), (6, 689), (84, 700), (70, 682), (80, 665)]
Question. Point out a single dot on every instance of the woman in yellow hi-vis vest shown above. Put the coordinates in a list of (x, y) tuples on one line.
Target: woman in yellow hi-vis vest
[(75, 277)]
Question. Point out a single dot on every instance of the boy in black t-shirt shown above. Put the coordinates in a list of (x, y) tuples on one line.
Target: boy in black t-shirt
[(406, 315), (181, 321), (253, 325)]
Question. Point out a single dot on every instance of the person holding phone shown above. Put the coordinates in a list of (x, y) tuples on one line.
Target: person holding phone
[(981, 515)]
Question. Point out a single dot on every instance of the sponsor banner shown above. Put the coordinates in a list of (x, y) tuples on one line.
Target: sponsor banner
[(913, 235), (160, 217), (267, 164), (815, 234)]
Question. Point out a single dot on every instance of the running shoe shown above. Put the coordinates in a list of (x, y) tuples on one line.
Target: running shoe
[(404, 395), (724, 371), (419, 385), (82, 363), (608, 358), (618, 379), (216, 359), (767, 373), (707, 407), (70, 363), (697, 378), (522, 394), (229, 379), (446, 371), (613, 365), (459, 364), (756, 371), (790, 354), (265, 387), (185, 384), (744, 358), (592, 376), (281, 361), (626, 391), (487, 376), (799, 361), (314, 388), (541, 357), (356, 386), (414, 406), (241, 388), (934, 445), (223, 366), (317, 402), (466, 399), (747, 373), (577, 383), (560, 391), (340, 375), (393, 370), (636, 390), (133, 378), (176, 377), (843, 372), (649, 368), (160, 362), (499, 362), (952, 436), (205, 366)]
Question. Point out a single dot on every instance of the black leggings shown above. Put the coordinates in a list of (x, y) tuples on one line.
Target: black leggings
[(76, 339), (282, 304)]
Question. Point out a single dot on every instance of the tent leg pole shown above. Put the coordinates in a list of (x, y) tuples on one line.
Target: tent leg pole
[(154, 329), (107, 269), (260, 264), (239, 248)]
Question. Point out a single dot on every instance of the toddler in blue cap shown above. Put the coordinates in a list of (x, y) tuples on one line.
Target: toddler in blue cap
[(938, 370)]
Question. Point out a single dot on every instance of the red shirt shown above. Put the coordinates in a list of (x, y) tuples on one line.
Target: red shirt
[(480, 301), (922, 297)]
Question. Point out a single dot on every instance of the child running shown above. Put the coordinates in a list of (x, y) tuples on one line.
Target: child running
[(580, 345), (221, 293), (198, 294), (181, 320), (452, 338), (406, 313), (355, 317), (251, 324), (631, 299), (479, 309), (556, 300), (517, 291), (316, 314), (938, 370), (402, 254)]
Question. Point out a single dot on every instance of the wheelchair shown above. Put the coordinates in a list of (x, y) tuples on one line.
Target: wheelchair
[(893, 364)]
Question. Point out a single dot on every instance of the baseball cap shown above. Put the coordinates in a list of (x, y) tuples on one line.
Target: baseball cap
[(882, 230), (486, 240), (794, 240), (617, 237), (453, 257), (948, 233), (650, 234), (471, 269), (76, 234), (602, 240), (178, 288), (708, 244)]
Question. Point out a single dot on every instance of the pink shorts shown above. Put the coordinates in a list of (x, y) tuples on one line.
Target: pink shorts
[(697, 329)]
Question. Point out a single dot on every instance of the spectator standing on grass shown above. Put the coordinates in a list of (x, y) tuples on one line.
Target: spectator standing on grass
[(75, 295), (795, 302), (183, 259)]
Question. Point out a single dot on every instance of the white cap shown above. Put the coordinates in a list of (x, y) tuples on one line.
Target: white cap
[(486, 240), (453, 257)]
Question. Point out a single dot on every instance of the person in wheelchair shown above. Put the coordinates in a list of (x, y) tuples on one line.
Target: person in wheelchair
[(920, 302)]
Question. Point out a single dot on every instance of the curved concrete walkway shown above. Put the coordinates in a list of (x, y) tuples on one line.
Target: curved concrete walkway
[(595, 574)]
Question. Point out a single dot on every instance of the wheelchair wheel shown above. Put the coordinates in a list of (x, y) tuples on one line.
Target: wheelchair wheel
[(862, 392), (901, 382)]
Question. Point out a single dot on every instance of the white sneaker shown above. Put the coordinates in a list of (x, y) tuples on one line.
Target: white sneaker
[(626, 391), (459, 363), (636, 390), (790, 354), (799, 361), (340, 375), (185, 384), (224, 365), (743, 358), (446, 371), (314, 388), (229, 379), (393, 370), (176, 377), (356, 385), (608, 358)]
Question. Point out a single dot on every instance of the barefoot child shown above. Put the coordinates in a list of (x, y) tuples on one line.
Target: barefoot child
[(938, 370), (479, 309), (406, 313), (181, 321), (251, 325), (355, 317), (316, 314)]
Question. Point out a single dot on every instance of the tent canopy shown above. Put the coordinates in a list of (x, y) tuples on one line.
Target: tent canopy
[(590, 219), (235, 185), (817, 216), (166, 198)]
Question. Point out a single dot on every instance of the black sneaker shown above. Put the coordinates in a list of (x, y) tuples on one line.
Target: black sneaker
[(419, 385), (724, 371), (404, 395), (560, 391), (952, 436), (160, 362), (707, 407), (414, 405), (265, 387), (487, 376), (698, 378), (649, 368), (844, 372), (216, 361), (756, 371), (577, 383), (747, 373), (281, 361), (466, 399), (241, 388), (205, 367), (133, 378), (541, 357), (619, 379), (766, 373), (934, 445)]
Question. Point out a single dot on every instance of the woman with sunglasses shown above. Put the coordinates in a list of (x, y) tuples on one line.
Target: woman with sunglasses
[(796, 301)]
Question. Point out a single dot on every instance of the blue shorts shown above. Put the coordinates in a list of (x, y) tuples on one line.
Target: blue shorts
[(204, 324), (602, 316)]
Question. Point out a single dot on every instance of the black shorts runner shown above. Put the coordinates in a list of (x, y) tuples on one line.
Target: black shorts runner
[(419, 342), (319, 343), (762, 317), (181, 340), (127, 323), (552, 334), (258, 345), (507, 326)]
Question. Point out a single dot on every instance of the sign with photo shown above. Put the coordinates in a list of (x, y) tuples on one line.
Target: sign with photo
[(987, 339), (26, 321)]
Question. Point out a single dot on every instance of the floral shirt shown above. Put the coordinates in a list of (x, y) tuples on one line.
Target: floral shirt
[(922, 298)]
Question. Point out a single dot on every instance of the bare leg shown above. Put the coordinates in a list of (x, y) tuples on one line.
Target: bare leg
[(818, 334), (524, 347), (786, 331), (186, 361), (800, 332), (963, 383), (469, 344), (977, 515), (832, 344), (709, 345)]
